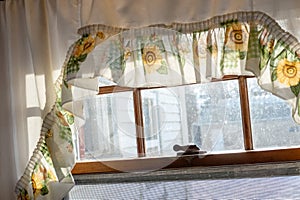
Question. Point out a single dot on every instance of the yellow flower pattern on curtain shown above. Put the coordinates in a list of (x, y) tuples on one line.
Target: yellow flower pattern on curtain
[(152, 58), (288, 72)]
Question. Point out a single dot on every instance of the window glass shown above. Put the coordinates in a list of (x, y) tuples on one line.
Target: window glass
[(271, 118), (207, 115), (108, 130)]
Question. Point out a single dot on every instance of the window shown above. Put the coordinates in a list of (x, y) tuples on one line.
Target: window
[(271, 121), (232, 119)]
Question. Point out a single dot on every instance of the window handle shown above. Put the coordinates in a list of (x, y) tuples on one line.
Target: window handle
[(187, 149)]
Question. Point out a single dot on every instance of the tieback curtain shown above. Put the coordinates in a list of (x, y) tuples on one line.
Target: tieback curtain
[(241, 43)]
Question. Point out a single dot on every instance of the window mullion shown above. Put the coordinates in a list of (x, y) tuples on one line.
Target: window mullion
[(138, 114), (245, 111)]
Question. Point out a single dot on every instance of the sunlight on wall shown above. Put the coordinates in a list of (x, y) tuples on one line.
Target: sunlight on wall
[(35, 86), (34, 124), (35, 91), (35, 103), (55, 74)]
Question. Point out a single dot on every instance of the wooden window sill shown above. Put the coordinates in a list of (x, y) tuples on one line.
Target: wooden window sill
[(152, 164)]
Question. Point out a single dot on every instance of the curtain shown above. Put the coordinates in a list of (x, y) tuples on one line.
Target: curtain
[(35, 37)]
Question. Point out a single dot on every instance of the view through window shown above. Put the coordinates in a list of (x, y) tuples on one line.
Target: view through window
[(208, 115)]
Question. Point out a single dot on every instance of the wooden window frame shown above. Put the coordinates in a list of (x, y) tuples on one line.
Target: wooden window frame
[(248, 156)]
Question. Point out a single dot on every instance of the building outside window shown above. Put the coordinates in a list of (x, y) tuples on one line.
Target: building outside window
[(208, 115)]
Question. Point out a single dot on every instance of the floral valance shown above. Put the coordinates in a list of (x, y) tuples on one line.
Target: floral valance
[(242, 43)]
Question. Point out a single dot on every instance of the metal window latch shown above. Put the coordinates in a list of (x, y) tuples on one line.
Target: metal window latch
[(187, 150)]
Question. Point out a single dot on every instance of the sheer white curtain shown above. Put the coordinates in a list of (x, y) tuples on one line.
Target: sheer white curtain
[(35, 36), (133, 13)]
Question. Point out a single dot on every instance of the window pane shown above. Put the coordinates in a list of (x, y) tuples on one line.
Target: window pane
[(109, 128), (272, 123), (204, 114)]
